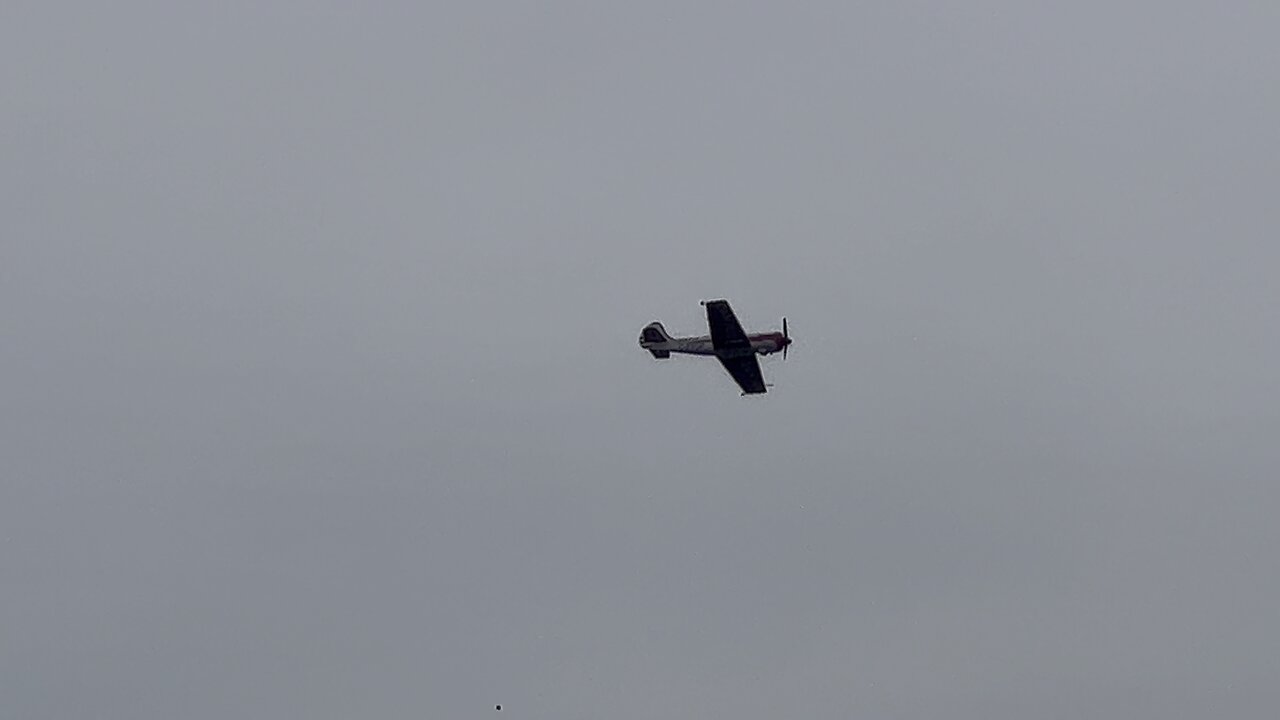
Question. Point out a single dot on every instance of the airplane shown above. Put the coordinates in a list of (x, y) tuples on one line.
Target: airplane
[(734, 348)]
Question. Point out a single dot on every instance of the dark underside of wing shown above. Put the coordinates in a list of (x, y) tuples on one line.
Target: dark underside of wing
[(726, 331), (745, 369)]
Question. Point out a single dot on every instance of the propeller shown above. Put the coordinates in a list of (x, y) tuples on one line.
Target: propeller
[(786, 339)]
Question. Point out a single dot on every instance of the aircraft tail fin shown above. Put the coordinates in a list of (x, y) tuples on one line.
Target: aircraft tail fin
[(654, 338)]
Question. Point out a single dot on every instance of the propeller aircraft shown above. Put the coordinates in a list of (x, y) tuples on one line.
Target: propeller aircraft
[(733, 347)]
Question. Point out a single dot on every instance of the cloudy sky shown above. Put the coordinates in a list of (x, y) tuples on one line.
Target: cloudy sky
[(320, 394)]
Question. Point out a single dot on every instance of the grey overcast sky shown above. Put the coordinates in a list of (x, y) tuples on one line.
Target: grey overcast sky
[(321, 395)]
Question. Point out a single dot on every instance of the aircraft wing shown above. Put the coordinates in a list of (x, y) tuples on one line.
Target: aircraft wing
[(726, 331), (745, 369)]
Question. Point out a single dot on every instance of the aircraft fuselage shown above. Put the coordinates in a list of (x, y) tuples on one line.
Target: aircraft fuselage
[(761, 343)]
